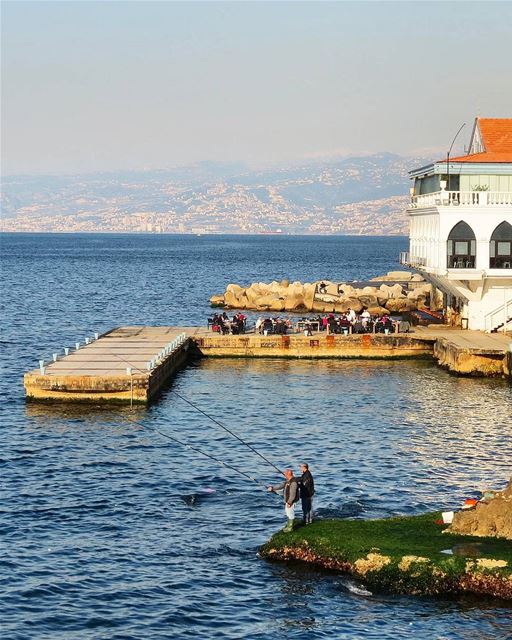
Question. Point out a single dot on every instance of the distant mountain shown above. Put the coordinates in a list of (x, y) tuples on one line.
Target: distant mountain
[(347, 195)]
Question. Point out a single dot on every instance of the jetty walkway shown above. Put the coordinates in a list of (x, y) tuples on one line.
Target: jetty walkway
[(132, 364)]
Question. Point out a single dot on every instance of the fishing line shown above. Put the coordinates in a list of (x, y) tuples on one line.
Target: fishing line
[(192, 448), (253, 449), (228, 430)]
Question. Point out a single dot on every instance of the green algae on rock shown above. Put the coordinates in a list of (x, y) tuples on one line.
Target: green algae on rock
[(404, 555)]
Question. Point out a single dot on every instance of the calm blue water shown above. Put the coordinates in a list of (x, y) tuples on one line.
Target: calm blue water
[(99, 535)]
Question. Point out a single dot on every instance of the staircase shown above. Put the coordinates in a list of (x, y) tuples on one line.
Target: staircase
[(500, 319)]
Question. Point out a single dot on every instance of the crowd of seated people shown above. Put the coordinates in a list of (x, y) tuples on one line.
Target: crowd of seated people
[(351, 322), (344, 323), (223, 324), (266, 326)]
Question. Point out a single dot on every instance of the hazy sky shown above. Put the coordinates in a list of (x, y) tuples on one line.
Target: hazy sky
[(117, 85)]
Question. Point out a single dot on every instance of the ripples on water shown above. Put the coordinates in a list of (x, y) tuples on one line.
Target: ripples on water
[(110, 531)]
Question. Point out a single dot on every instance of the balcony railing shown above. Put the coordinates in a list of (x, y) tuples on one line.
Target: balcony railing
[(409, 260), (462, 199)]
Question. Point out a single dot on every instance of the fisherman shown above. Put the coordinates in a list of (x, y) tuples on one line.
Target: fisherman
[(290, 494), (307, 491)]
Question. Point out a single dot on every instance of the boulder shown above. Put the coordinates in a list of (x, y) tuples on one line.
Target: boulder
[(348, 291), (368, 291), (332, 288), (403, 276), (285, 283), (294, 303), (253, 294), (309, 295), (416, 277), (492, 517), (277, 305), (377, 310), (235, 288), (349, 303), (231, 299), (393, 291), (369, 300), (217, 301), (399, 305)]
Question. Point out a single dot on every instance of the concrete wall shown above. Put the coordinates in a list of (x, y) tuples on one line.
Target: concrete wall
[(318, 346)]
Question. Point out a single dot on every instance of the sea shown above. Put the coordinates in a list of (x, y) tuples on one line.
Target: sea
[(108, 530)]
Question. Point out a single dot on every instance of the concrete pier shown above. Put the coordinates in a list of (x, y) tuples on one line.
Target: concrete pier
[(132, 364), (128, 364)]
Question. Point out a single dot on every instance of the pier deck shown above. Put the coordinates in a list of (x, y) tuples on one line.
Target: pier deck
[(128, 364), (132, 364)]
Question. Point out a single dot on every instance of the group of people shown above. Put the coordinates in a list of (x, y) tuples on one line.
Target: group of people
[(223, 324), (294, 489), (279, 326), (351, 322)]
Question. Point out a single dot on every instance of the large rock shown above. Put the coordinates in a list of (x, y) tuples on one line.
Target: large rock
[(231, 299), (294, 302), (492, 517), (236, 289), (393, 291), (253, 293), (399, 305), (377, 310), (403, 276), (369, 300), (349, 303), (368, 291), (217, 301), (309, 295)]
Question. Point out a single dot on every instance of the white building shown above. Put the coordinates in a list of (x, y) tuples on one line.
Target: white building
[(461, 228)]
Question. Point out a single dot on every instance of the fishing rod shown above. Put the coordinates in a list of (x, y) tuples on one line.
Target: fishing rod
[(228, 430), (253, 449), (192, 448)]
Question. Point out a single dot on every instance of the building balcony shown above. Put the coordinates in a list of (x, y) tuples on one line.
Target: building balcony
[(462, 199)]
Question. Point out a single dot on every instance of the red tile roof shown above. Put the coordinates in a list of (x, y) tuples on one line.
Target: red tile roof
[(497, 140)]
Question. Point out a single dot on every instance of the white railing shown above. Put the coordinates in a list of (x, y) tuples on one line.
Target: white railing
[(462, 199), (500, 317), (411, 261)]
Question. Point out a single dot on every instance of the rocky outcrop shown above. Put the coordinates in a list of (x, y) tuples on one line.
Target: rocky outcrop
[(331, 298), (491, 517)]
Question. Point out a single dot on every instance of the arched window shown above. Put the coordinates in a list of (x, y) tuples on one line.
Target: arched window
[(461, 247), (500, 249)]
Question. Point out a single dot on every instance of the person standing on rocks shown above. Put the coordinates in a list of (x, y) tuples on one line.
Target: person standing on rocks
[(307, 491), (290, 489)]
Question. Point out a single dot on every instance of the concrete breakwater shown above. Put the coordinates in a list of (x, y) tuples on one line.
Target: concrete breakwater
[(396, 292), (133, 364)]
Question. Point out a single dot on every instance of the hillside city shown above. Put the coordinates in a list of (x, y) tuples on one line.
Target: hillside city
[(361, 195)]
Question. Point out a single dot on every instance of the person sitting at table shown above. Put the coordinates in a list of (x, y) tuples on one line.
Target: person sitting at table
[(351, 315), (365, 317), (344, 324), (267, 325)]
